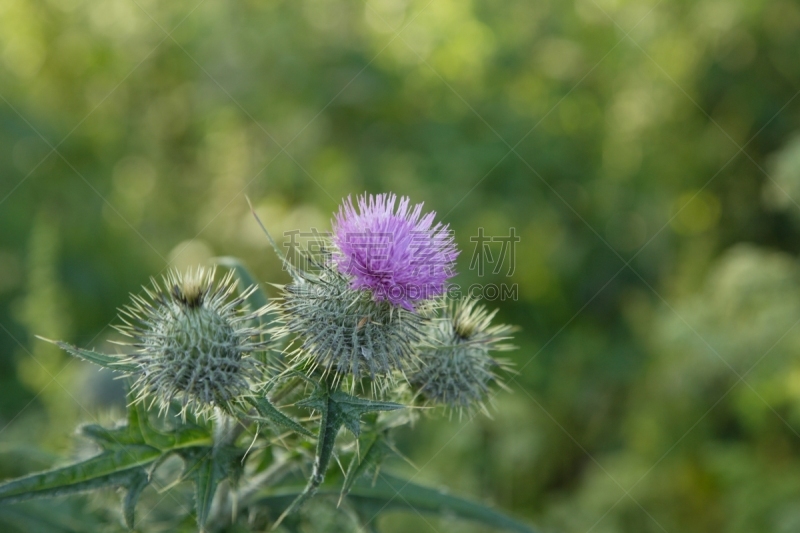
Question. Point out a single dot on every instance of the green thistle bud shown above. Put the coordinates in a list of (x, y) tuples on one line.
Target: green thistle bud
[(455, 368), (345, 332), (193, 342)]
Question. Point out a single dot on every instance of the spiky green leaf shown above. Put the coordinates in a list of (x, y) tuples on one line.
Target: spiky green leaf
[(206, 480), (394, 493), (109, 361), (268, 412), (337, 409), (207, 467), (130, 453), (330, 423), (184, 436), (352, 408), (390, 493), (134, 488), (371, 453), (111, 468), (110, 438), (345, 409)]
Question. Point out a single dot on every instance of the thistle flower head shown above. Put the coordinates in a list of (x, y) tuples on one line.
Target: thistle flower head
[(455, 368), (193, 341), (399, 254), (345, 332)]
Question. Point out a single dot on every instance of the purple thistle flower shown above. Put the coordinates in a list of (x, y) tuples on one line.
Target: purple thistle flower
[(400, 255)]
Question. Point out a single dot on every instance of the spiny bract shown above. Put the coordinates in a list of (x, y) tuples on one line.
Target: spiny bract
[(400, 255), (455, 366), (193, 342), (344, 331)]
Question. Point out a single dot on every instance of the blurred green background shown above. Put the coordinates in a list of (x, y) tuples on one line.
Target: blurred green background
[(647, 154)]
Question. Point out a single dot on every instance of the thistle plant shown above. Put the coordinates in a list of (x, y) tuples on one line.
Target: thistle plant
[(224, 378), (345, 332)]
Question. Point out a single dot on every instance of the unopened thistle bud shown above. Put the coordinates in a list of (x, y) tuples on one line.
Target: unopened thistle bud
[(345, 332), (455, 368), (193, 342)]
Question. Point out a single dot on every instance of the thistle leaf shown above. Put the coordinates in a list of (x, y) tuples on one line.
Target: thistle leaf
[(134, 487), (338, 409), (184, 436), (267, 411), (107, 438), (107, 469), (351, 408), (207, 467), (206, 481), (109, 361), (391, 493), (130, 453), (330, 423), (373, 452), (394, 493)]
